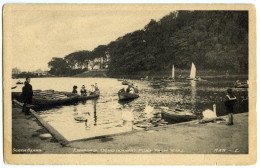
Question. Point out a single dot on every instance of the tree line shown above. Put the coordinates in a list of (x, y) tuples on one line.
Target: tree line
[(213, 40), (79, 61)]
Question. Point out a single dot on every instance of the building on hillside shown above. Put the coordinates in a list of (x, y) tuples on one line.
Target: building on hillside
[(40, 72)]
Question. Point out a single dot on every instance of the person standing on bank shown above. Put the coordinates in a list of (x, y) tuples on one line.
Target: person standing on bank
[(27, 95), (229, 103)]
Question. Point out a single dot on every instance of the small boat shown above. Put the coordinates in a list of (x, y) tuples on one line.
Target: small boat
[(52, 98), (178, 116), (49, 97), (13, 87), (84, 117), (125, 82), (127, 96), (80, 118), (154, 84), (120, 79), (170, 79), (19, 82), (92, 95), (192, 72), (241, 84)]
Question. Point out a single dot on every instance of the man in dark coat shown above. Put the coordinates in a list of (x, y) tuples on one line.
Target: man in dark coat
[(27, 95), (229, 103)]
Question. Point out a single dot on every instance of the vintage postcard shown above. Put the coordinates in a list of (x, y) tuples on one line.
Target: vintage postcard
[(129, 84)]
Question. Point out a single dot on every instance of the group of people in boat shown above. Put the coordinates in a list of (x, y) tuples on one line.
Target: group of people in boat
[(83, 90), (129, 89)]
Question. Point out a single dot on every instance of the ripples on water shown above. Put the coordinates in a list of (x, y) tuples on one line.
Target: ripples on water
[(193, 96)]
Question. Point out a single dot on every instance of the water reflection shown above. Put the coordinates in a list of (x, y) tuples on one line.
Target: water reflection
[(95, 112), (75, 110), (193, 95)]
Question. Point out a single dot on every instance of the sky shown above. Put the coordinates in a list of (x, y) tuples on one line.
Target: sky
[(39, 35)]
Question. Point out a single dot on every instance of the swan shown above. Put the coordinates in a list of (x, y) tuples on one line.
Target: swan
[(114, 105), (209, 113), (148, 111)]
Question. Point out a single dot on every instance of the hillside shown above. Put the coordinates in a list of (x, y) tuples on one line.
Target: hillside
[(213, 40)]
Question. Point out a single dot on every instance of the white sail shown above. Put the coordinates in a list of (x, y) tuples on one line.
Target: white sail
[(172, 71), (193, 71)]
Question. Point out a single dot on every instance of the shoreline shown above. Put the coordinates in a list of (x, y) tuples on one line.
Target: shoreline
[(139, 77)]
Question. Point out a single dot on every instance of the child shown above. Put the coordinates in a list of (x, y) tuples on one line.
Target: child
[(229, 103)]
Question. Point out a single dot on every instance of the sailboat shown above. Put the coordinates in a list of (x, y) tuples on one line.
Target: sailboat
[(170, 79), (173, 71), (192, 72)]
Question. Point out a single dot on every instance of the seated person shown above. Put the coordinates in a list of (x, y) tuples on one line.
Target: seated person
[(96, 87), (136, 89), (132, 90), (92, 90), (75, 89), (128, 89), (83, 91)]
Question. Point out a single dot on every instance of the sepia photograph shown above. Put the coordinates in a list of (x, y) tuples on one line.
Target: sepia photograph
[(118, 81)]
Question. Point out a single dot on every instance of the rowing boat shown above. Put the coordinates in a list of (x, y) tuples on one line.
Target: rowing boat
[(127, 96), (178, 116), (53, 98), (125, 83), (241, 84), (19, 82), (92, 95)]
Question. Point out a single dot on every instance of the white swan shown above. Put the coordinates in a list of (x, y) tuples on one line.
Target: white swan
[(209, 113), (114, 105)]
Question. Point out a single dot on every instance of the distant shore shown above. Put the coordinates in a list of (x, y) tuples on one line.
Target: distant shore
[(179, 73), (152, 75)]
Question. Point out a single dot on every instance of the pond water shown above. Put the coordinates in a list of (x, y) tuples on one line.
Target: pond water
[(107, 111)]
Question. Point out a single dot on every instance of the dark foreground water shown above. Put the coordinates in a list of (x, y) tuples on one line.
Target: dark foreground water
[(193, 96)]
